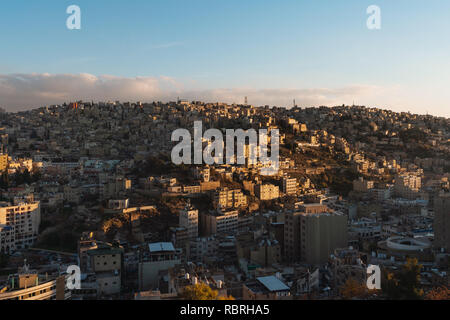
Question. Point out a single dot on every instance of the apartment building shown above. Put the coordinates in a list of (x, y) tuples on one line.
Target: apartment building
[(106, 262), (20, 224), (3, 162), (407, 186), (362, 185), (200, 249), (160, 257), (313, 232), (267, 191), (219, 222), (188, 219), (227, 198), (289, 186)]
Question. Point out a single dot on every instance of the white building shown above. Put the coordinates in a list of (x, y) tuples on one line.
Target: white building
[(189, 219)]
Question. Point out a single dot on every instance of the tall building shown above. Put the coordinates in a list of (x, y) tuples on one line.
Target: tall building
[(313, 232), (289, 186), (19, 224), (442, 221), (407, 186), (188, 219)]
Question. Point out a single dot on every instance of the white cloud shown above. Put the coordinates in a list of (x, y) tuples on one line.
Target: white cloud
[(27, 91)]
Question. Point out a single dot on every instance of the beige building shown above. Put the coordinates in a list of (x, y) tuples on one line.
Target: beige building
[(407, 186), (267, 191), (35, 287), (313, 232), (3, 162), (227, 198), (289, 186), (20, 225), (264, 252)]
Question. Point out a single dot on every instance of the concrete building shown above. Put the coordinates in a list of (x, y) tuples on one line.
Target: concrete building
[(29, 285), (3, 162), (407, 186), (313, 232), (106, 262), (361, 185), (267, 191), (227, 198), (188, 219), (20, 224), (160, 257), (219, 222), (201, 249), (289, 186), (266, 288)]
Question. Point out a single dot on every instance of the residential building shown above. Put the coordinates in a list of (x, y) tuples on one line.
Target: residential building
[(23, 220), (313, 232)]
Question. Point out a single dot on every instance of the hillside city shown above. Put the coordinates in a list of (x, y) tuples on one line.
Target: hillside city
[(92, 184)]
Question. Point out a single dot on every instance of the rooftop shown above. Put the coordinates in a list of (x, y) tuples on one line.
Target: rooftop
[(272, 283), (161, 247)]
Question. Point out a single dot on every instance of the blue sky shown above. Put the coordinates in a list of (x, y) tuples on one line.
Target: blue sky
[(315, 51)]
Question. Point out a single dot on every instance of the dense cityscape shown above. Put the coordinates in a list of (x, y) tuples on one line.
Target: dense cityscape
[(92, 184)]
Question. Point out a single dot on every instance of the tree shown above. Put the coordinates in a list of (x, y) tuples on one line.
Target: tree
[(202, 291), (199, 291), (226, 298), (353, 289), (441, 293), (405, 285)]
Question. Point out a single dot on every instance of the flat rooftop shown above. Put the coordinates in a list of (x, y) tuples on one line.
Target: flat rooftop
[(272, 283), (161, 247)]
